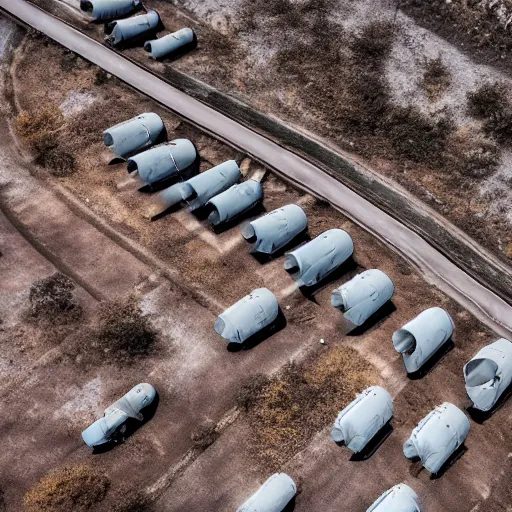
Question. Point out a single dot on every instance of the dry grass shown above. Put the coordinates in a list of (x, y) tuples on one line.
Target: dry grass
[(290, 408), (40, 130), (436, 78), (52, 299), (77, 488)]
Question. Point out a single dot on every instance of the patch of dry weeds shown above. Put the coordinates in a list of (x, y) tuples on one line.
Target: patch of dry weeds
[(288, 409)]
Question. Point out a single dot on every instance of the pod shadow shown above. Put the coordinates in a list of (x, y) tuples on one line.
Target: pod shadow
[(266, 258), (375, 443), (377, 318), (347, 267), (278, 325), (256, 209), (454, 457), (442, 351), (481, 417)]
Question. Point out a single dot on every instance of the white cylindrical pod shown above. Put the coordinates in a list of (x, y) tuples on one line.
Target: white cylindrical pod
[(357, 424), (120, 31), (164, 161), (134, 134), (314, 261), (489, 374), (400, 498), (248, 316), (197, 191), (276, 229), (437, 436), (128, 406), (363, 295), (234, 201), (183, 39), (272, 496), (108, 9), (421, 338)]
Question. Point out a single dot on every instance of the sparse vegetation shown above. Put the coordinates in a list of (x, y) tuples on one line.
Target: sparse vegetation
[(205, 435), (77, 488), (123, 330), (490, 102), (291, 407), (436, 78), (52, 299)]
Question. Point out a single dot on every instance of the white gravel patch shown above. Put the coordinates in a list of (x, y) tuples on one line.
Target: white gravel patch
[(76, 102)]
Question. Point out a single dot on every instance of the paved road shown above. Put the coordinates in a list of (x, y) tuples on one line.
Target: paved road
[(437, 269)]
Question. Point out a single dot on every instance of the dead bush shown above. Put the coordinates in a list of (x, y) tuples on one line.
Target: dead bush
[(419, 137), (123, 330), (39, 128), (436, 78), (77, 488), (374, 42), (303, 399), (472, 156), (52, 299), (490, 102), (58, 162), (205, 435)]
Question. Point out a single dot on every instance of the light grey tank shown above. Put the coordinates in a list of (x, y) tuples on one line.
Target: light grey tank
[(400, 498), (489, 374), (437, 436), (419, 339), (128, 406), (120, 31), (134, 134), (357, 424), (108, 9), (363, 295), (164, 161), (234, 201), (197, 191), (170, 43), (247, 316), (272, 496), (276, 229), (314, 261)]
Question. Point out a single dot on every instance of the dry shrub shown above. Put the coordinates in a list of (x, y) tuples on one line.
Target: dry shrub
[(77, 488), (39, 128), (436, 78), (41, 131), (52, 299), (205, 435), (490, 102), (301, 400), (250, 391), (472, 156), (123, 330), (419, 137)]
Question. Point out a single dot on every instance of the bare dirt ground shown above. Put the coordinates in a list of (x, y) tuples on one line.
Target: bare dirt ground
[(295, 60), (91, 222)]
